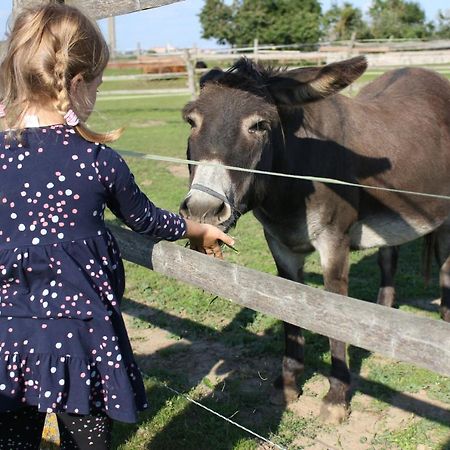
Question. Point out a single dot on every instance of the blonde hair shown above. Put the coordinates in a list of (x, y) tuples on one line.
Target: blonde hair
[(48, 46)]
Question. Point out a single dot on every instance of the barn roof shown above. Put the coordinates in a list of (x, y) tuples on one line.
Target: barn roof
[(99, 9)]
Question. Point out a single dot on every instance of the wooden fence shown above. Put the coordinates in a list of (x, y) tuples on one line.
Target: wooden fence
[(397, 334)]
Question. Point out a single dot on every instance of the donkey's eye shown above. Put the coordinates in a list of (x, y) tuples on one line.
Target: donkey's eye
[(191, 122), (260, 127)]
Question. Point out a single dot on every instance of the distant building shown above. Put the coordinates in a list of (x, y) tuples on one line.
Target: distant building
[(167, 49)]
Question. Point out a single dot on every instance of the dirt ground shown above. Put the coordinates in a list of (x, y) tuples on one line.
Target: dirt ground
[(155, 347), (215, 361)]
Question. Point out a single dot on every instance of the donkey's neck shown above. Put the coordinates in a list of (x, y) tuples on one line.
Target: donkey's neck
[(329, 119)]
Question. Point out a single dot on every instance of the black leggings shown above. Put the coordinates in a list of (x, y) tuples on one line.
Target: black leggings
[(22, 429)]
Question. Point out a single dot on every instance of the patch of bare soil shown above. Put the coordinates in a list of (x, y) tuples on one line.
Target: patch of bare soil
[(365, 420), (179, 170)]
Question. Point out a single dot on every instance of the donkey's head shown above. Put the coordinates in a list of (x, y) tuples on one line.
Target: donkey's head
[(236, 122)]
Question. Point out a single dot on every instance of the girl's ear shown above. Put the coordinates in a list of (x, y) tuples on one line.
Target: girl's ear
[(75, 84)]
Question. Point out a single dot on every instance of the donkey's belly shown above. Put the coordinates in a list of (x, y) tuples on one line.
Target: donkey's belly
[(386, 230)]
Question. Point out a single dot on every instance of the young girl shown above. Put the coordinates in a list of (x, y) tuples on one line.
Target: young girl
[(63, 343)]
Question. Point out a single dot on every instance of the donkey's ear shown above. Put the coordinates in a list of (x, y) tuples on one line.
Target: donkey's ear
[(298, 86), (211, 75)]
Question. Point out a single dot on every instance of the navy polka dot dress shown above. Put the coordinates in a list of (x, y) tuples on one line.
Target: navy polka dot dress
[(63, 343)]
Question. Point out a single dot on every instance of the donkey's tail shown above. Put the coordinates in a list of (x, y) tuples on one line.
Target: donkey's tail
[(428, 250)]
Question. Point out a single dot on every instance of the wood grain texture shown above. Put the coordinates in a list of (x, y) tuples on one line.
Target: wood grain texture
[(99, 9), (397, 334)]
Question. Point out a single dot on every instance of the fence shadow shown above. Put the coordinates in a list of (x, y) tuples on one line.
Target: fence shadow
[(181, 431), (232, 356), (187, 429)]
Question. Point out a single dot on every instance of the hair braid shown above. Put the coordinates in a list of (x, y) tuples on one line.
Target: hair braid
[(60, 82)]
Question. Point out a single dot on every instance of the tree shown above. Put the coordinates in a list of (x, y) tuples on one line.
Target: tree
[(398, 19), (270, 21), (340, 22), (443, 26), (216, 19)]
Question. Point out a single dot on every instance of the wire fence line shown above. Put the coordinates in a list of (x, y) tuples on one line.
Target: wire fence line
[(248, 430), (227, 419), (324, 180)]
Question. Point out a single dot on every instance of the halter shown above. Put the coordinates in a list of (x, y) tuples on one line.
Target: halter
[(213, 193)]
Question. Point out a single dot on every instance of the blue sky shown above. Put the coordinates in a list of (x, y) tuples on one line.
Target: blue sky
[(178, 24)]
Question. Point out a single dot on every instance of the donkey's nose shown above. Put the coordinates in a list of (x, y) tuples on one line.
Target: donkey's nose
[(204, 208)]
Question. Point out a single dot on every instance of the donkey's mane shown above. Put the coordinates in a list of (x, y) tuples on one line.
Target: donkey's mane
[(244, 74), (255, 71)]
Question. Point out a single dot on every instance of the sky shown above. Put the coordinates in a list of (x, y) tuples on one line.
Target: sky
[(178, 24)]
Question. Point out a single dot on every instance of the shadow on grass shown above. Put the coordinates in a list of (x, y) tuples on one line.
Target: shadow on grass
[(193, 428)]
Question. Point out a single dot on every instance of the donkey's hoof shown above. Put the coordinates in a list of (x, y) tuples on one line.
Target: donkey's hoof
[(386, 296), (445, 313), (334, 413), (291, 394)]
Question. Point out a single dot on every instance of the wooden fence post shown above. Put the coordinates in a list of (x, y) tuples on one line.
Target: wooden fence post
[(112, 36), (351, 45), (190, 67), (255, 49)]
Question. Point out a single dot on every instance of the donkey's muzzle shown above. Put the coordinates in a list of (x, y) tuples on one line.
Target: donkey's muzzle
[(202, 206)]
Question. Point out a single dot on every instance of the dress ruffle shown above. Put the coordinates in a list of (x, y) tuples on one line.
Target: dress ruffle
[(71, 384)]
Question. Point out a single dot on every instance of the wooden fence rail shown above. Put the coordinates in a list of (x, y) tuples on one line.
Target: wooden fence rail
[(390, 332), (99, 9)]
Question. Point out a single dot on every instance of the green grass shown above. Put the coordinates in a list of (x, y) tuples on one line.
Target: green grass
[(154, 125), (114, 85)]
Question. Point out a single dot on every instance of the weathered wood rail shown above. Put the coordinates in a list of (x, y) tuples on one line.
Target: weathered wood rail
[(397, 334), (99, 9)]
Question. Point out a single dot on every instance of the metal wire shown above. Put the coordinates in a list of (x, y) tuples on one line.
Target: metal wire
[(224, 418), (277, 174)]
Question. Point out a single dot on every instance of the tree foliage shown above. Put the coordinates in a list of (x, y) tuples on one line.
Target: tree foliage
[(443, 25), (398, 19), (216, 19), (269, 21), (239, 22), (340, 22)]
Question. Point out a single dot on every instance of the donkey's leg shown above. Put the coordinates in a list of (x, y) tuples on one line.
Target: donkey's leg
[(334, 256), (387, 260), (290, 266), (443, 257), (444, 278), (292, 365)]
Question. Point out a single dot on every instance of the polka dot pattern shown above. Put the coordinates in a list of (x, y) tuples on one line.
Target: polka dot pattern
[(63, 343), (23, 429)]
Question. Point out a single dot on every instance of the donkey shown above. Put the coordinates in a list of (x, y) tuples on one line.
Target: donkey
[(395, 134)]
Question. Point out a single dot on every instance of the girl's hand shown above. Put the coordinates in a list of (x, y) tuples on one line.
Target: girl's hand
[(206, 238)]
